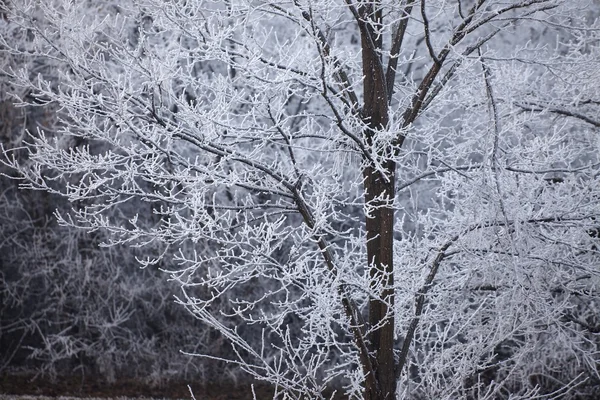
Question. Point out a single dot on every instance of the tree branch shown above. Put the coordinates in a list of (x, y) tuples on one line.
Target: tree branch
[(326, 52), (357, 324), (428, 34), (390, 75), (534, 107)]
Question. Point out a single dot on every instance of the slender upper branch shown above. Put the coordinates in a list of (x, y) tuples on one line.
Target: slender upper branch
[(535, 107), (398, 38), (341, 74)]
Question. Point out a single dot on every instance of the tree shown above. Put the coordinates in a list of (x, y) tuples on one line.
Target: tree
[(398, 196)]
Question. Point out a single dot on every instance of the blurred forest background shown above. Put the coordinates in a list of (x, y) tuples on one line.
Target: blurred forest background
[(69, 306)]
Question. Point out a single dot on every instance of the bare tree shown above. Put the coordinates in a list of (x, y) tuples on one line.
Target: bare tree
[(402, 195)]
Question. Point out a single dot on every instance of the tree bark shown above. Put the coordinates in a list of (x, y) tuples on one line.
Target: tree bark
[(379, 199), (379, 195)]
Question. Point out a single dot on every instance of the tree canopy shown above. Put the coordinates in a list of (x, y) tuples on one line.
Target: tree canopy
[(398, 198)]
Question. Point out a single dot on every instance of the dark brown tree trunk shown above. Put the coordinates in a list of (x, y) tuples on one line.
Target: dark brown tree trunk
[(379, 197), (379, 194)]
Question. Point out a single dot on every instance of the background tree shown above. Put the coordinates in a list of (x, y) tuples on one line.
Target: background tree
[(401, 195)]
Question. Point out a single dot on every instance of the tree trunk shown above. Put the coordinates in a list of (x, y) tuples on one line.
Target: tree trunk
[(379, 194), (379, 197)]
